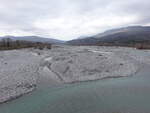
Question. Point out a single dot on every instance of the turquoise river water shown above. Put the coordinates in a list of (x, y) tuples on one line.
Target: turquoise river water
[(118, 95)]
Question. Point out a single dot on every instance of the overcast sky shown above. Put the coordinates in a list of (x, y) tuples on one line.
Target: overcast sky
[(69, 19)]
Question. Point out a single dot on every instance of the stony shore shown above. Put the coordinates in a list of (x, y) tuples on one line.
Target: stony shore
[(21, 71)]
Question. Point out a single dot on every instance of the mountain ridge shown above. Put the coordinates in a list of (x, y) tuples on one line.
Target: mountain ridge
[(125, 35), (33, 38)]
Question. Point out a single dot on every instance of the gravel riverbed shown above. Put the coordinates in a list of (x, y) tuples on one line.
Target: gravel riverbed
[(21, 71)]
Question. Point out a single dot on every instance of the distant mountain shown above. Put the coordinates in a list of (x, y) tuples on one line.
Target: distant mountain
[(34, 39), (127, 35)]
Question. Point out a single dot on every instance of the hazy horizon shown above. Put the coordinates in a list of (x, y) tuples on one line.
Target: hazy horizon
[(67, 20)]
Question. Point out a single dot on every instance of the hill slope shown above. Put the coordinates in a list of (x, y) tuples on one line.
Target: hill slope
[(127, 35), (34, 39)]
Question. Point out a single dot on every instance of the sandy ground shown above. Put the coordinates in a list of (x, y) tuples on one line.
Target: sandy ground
[(22, 70)]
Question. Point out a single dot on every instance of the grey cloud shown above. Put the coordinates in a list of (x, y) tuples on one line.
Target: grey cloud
[(81, 16)]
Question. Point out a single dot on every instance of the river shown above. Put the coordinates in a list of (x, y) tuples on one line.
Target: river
[(115, 95)]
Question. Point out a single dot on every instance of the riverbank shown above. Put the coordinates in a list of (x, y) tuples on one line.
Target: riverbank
[(18, 74), (21, 71), (121, 95), (77, 64)]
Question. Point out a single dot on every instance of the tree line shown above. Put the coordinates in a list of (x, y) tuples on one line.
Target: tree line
[(7, 43)]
